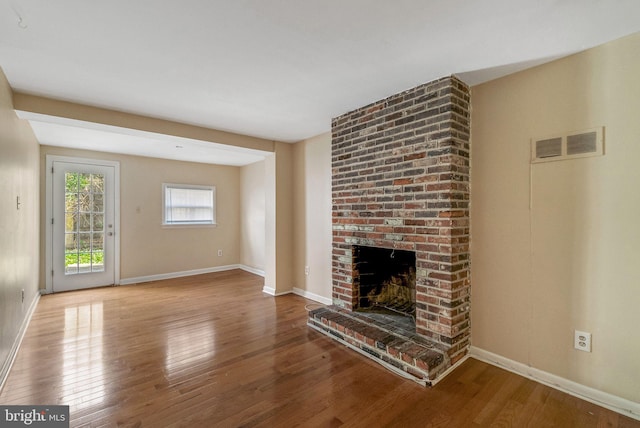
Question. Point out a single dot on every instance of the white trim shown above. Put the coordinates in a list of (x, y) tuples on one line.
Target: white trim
[(171, 275), (116, 222), (272, 291), (612, 402), (312, 296), (189, 225), (252, 270), (13, 352), (48, 228), (48, 262), (299, 292)]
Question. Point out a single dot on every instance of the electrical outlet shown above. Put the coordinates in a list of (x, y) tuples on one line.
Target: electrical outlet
[(219, 253), (582, 341), (306, 270)]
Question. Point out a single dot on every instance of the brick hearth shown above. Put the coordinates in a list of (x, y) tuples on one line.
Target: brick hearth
[(385, 339), (400, 175)]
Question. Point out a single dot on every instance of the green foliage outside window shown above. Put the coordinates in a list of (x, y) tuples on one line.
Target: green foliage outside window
[(83, 201), (83, 258)]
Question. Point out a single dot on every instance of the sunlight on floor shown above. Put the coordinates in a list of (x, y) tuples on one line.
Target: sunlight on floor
[(83, 348)]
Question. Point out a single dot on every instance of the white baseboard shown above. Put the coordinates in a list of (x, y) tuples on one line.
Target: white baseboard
[(13, 352), (272, 291), (252, 270), (312, 296), (170, 275), (612, 402), (299, 292), (449, 370)]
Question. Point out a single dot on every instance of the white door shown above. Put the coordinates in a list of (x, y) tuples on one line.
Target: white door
[(83, 225)]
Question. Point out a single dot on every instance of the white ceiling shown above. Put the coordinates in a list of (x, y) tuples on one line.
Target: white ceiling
[(281, 69), (82, 135)]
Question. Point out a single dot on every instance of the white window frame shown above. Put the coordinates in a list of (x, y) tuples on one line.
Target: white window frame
[(165, 223)]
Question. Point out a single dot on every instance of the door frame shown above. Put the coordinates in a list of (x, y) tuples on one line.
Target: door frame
[(50, 159)]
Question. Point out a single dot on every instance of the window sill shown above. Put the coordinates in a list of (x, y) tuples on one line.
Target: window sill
[(188, 226)]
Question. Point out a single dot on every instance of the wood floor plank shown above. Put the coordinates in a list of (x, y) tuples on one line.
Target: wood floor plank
[(213, 350)]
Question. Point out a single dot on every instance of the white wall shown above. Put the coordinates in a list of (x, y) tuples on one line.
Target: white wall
[(555, 248), (312, 217), (252, 210)]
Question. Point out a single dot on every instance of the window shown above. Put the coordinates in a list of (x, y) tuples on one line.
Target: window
[(186, 204)]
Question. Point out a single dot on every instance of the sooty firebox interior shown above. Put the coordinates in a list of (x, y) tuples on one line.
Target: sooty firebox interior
[(386, 280)]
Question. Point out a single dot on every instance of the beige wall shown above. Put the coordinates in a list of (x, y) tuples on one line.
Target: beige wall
[(555, 247), (68, 110), (279, 220), (312, 216), (270, 276), (252, 228), (148, 248), (19, 231), (284, 217)]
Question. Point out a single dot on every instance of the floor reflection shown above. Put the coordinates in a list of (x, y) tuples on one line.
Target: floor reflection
[(83, 367), (187, 346)]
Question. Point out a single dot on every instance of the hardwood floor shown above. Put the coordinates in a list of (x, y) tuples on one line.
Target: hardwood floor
[(213, 350)]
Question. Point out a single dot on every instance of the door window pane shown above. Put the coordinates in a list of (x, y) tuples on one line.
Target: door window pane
[(98, 222), (98, 204), (97, 183), (84, 223), (70, 221)]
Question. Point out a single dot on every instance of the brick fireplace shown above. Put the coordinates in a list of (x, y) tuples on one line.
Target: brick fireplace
[(400, 177)]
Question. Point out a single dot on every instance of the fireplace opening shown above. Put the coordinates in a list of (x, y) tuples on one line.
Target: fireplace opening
[(385, 280)]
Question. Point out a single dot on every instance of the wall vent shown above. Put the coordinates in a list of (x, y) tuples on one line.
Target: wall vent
[(581, 144), (548, 148), (570, 145)]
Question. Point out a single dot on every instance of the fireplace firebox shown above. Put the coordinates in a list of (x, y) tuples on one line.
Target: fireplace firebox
[(385, 280)]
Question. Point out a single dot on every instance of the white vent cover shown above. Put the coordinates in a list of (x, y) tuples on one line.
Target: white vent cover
[(568, 146)]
